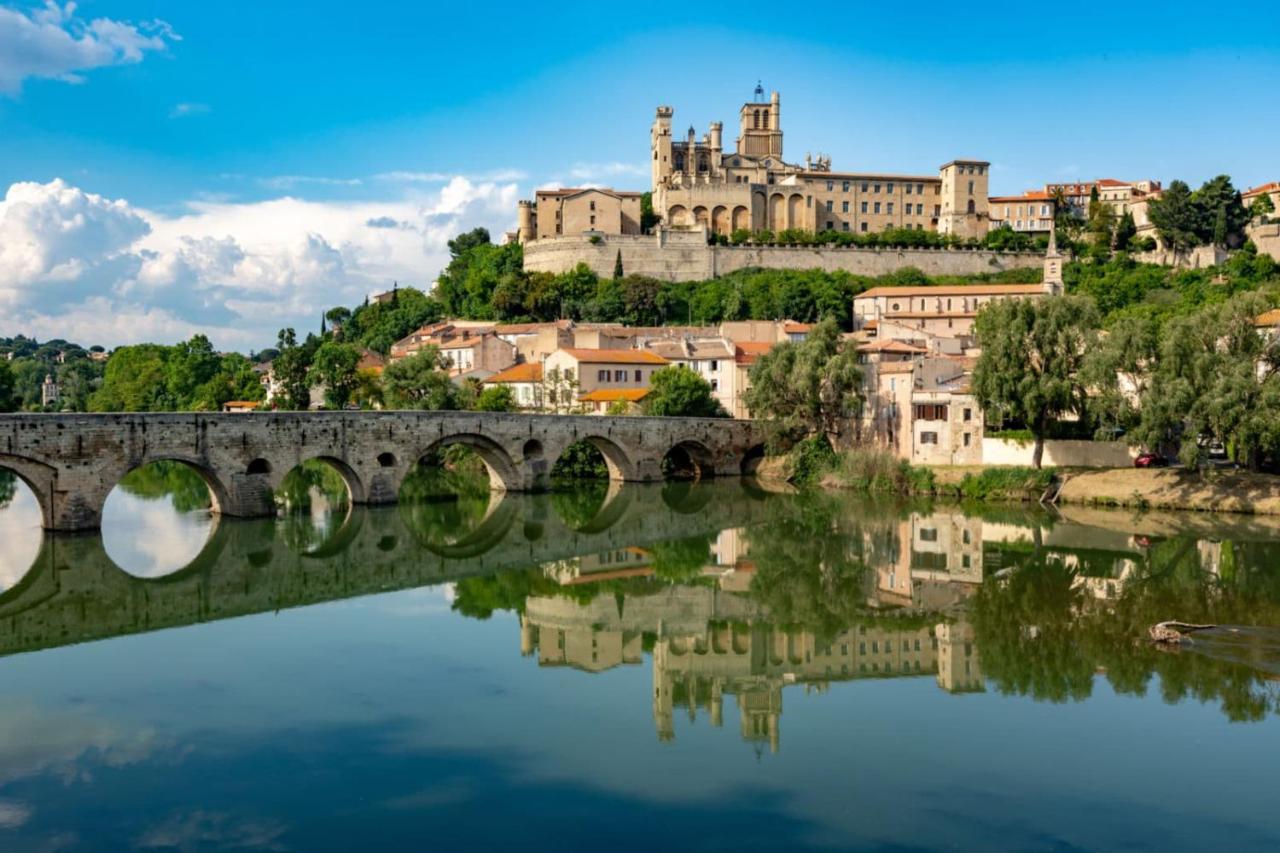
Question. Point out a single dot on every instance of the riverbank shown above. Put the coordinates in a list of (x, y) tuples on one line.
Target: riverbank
[(1131, 488)]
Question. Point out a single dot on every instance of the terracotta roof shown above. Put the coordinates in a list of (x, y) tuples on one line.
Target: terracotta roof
[(1268, 318), (932, 315), (748, 351), (242, 404), (951, 290), (613, 395), (614, 356), (871, 324), (567, 191), (1029, 195), (529, 328), (792, 326), (527, 372), (891, 346), (1111, 182), (896, 367), (1273, 187)]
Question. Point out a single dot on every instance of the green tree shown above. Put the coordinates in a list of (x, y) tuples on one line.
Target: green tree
[(1117, 371), (495, 398), (648, 218), (1221, 216), (420, 382), (1032, 351), (8, 400), (1176, 217), (335, 368), (136, 379), (292, 370), (809, 388), (678, 392), (1126, 230), (1262, 207), (617, 265)]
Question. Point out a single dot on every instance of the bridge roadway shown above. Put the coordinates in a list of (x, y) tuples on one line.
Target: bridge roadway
[(74, 593), (73, 461)]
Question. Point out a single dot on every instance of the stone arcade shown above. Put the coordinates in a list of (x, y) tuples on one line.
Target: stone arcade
[(71, 462)]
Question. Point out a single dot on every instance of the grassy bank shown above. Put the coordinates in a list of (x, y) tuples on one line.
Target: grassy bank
[(874, 472)]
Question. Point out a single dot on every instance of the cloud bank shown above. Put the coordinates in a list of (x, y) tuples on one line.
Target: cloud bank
[(76, 265), (52, 43)]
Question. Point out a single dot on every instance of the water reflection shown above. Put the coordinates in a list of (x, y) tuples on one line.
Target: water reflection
[(313, 503), (975, 656), (157, 519), (19, 528)]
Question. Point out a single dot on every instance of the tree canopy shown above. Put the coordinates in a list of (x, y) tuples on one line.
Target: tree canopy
[(678, 392)]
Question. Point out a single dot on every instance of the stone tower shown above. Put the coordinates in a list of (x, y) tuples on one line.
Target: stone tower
[(660, 145), (964, 199), (526, 223), (1053, 283), (760, 126)]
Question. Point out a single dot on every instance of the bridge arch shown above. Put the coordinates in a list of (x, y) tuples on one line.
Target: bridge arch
[(616, 459), (219, 496), (504, 474), (689, 458), (37, 477)]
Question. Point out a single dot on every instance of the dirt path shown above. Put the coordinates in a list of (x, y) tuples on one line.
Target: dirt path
[(1218, 491)]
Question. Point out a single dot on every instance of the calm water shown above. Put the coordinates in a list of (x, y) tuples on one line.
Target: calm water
[(690, 666)]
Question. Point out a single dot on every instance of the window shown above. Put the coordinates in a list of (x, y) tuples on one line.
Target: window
[(937, 210), (715, 385), (877, 188), (830, 225), (928, 438), (864, 227), (928, 534), (877, 207), (919, 210), (919, 189), (864, 207), (888, 188), (715, 366), (931, 412), (620, 376), (602, 376), (864, 186), (593, 205), (907, 189), (829, 203), (846, 225), (637, 375), (568, 373), (593, 219), (890, 208), (844, 207), (966, 439), (968, 415), (831, 185), (971, 188), (845, 186)]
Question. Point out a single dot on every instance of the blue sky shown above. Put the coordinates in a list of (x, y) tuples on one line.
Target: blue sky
[(200, 118)]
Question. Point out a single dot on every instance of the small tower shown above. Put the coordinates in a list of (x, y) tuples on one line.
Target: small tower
[(48, 391), (964, 212), (660, 143), (526, 224), (1053, 283)]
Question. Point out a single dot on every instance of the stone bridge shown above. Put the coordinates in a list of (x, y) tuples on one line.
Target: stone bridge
[(72, 462), (75, 593)]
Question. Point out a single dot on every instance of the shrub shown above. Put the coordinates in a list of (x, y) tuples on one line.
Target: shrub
[(1011, 483), (812, 457), (876, 471)]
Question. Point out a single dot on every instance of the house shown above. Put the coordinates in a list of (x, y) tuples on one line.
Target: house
[(536, 341), (939, 310), (921, 410), (525, 382), (745, 355), (241, 406), (464, 348), (710, 358), (569, 374), (600, 400), (371, 361), (1029, 213)]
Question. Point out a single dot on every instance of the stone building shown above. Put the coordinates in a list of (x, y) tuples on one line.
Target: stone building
[(931, 310), (465, 349), (555, 213), (570, 374), (696, 182), (1029, 213)]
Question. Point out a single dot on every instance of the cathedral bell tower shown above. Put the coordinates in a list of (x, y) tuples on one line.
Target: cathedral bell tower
[(1053, 283)]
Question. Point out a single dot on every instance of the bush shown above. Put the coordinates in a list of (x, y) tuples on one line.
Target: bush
[(812, 458), (879, 472), (1012, 483)]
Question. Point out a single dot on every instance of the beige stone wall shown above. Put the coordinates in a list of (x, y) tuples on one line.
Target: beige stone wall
[(1267, 238), (606, 212), (685, 256), (1067, 454)]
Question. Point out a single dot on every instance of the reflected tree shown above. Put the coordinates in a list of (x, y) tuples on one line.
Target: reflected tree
[(168, 479)]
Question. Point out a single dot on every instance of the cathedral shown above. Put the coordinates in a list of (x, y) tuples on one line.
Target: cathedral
[(696, 183)]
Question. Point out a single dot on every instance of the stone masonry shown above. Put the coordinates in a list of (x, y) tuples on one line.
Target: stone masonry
[(71, 462)]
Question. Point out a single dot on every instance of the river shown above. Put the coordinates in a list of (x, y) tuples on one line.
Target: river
[(690, 666)]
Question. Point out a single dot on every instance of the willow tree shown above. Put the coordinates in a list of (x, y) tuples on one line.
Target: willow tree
[(1032, 353), (808, 389)]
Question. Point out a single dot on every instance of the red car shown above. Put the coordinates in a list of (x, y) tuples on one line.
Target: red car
[(1150, 460)]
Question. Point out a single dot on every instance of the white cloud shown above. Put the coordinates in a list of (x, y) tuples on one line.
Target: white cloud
[(600, 171), (76, 265), (52, 43), (288, 182), (494, 176), (189, 109)]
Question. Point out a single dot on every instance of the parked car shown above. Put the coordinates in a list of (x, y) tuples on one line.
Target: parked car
[(1150, 460)]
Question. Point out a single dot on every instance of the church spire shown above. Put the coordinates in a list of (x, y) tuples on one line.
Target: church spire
[(1053, 283)]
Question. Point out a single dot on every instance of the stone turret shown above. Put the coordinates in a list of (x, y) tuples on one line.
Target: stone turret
[(526, 223)]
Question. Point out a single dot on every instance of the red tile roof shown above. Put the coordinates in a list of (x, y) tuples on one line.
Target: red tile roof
[(613, 395), (748, 351), (951, 290), (527, 372)]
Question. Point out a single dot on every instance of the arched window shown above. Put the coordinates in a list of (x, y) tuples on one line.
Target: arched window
[(702, 164), (757, 120), (679, 162), (971, 206)]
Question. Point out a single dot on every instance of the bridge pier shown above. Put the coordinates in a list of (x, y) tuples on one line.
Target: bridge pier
[(73, 461)]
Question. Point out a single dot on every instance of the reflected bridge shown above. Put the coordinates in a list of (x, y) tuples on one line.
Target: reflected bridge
[(72, 461)]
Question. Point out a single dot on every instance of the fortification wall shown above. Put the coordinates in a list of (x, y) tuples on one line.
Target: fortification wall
[(685, 256)]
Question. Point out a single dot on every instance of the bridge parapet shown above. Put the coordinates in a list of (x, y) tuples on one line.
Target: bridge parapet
[(73, 461)]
